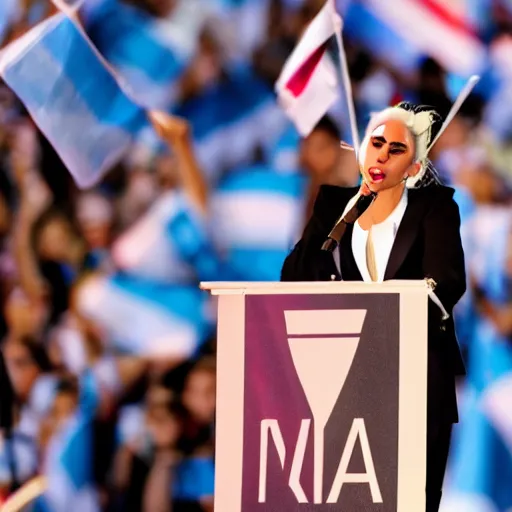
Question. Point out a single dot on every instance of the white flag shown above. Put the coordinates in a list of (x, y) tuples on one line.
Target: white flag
[(309, 84)]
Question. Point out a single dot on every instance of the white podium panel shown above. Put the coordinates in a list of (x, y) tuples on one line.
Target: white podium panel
[(321, 396)]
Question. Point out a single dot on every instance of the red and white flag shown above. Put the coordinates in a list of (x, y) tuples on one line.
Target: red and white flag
[(309, 83)]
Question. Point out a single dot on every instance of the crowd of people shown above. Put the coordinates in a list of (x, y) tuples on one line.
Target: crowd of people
[(110, 343)]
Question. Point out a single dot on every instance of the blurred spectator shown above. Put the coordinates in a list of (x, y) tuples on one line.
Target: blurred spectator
[(325, 162)]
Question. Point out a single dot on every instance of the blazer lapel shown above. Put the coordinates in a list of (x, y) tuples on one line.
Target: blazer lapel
[(349, 268), (407, 232)]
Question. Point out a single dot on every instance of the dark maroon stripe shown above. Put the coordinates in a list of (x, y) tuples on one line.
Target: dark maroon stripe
[(302, 76)]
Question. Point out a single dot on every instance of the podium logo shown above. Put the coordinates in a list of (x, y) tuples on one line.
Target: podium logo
[(323, 345)]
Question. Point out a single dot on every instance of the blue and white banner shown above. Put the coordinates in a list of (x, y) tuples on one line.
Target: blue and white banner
[(231, 121), (73, 97), (146, 318), (258, 216), (244, 24), (481, 472), (149, 53)]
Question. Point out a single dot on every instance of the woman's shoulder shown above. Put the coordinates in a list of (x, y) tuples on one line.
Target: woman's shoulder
[(436, 201), (433, 192), (433, 197), (331, 201), (335, 195)]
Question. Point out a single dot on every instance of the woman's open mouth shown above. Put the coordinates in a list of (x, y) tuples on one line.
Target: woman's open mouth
[(376, 174)]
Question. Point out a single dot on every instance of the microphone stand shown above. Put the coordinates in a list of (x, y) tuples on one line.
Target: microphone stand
[(337, 232)]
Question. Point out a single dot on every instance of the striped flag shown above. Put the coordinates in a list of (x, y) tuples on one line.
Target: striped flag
[(149, 53), (231, 121), (153, 306), (146, 318), (69, 469), (146, 251), (243, 24), (284, 156), (437, 28), (170, 244), (480, 475), (308, 85), (68, 462), (244, 211), (363, 26), (73, 97)]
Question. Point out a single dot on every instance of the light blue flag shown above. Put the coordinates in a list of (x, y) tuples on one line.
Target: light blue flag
[(231, 121), (362, 25), (258, 216), (73, 97), (194, 480), (170, 244), (153, 305), (69, 458), (481, 471), (464, 312), (21, 449), (283, 156), (147, 318), (149, 53), (247, 21)]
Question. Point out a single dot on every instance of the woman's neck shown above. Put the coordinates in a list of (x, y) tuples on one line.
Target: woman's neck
[(384, 204)]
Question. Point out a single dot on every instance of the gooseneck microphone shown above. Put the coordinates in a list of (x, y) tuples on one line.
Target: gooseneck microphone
[(337, 232)]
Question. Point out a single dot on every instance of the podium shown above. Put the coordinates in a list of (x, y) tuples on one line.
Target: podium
[(321, 396)]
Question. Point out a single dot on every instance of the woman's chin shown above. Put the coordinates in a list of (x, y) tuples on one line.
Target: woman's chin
[(377, 185)]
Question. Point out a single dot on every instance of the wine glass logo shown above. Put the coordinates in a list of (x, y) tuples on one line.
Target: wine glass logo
[(323, 344)]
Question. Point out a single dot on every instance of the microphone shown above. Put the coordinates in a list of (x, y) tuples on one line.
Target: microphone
[(337, 232)]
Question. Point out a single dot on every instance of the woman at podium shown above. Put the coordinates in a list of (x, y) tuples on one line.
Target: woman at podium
[(411, 231)]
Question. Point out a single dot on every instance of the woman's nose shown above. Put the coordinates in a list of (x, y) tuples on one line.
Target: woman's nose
[(383, 155)]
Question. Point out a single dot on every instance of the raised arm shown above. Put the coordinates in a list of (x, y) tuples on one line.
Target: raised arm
[(176, 132)]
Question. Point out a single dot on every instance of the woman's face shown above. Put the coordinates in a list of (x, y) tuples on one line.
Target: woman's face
[(54, 240), (389, 157), (23, 370), (199, 395), (25, 317), (164, 427), (157, 396), (319, 154)]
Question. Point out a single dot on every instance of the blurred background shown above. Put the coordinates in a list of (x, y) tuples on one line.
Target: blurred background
[(109, 343)]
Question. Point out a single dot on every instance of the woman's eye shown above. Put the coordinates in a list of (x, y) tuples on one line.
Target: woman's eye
[(377, 144), (397, 151)]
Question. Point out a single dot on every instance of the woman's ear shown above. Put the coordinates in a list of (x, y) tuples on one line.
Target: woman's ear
[(413, 170)]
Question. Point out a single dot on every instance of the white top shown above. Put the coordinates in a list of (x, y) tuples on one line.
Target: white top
[(383, 236)]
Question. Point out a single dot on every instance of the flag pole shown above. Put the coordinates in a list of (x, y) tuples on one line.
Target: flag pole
[(347, 86), (466, 91)]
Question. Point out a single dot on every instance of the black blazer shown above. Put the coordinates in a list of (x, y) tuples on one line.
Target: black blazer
[(427, 244)]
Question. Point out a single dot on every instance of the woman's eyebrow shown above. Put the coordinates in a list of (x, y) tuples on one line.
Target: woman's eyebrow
[(394, 145)]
